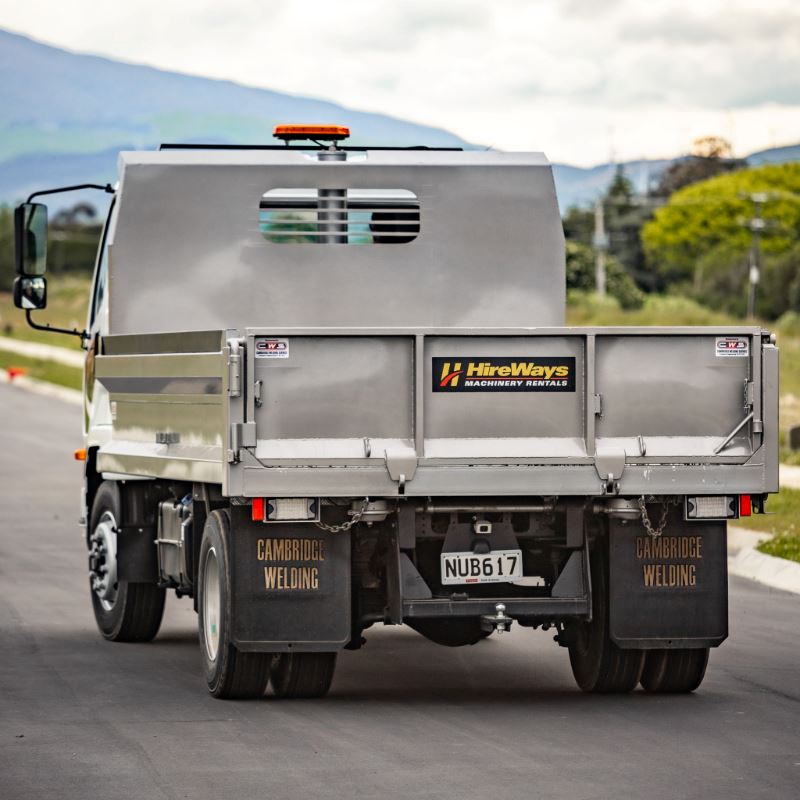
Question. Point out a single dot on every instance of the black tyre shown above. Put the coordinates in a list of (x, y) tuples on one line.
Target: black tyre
[(302, 674), (450, 632), (597, 663), (124, 612), (674, 671), (229, 673)]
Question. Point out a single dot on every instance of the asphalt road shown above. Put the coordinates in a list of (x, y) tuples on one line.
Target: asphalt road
[(84, 718)]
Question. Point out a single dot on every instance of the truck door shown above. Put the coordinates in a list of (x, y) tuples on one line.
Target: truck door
[(97, 410)]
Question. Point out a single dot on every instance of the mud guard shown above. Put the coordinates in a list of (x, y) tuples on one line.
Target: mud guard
[(670, 591), (290, 586)]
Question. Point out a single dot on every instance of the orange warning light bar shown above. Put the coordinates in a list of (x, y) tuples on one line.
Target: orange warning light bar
[(330, 133), (80, 454)]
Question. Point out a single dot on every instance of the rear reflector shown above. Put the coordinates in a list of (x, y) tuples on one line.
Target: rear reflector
[(258, 509), (292, 509), (745, 506), (711, 507)]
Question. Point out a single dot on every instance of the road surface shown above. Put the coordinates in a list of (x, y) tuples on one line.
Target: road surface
[(84, 718)]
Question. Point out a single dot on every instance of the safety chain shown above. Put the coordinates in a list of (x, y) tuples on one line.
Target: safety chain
[(345, 526), (655, 532)]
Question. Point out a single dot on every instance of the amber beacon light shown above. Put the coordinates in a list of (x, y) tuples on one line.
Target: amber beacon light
[(328, 133)]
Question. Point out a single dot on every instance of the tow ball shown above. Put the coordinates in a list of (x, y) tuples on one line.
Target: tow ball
[(498, 621)]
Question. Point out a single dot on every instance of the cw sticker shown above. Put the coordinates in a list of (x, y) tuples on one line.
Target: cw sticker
[(490, 374), (271, 348)]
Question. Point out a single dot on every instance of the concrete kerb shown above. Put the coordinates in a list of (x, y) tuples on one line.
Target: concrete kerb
[(42, 387), (745, 561), (46, 352)]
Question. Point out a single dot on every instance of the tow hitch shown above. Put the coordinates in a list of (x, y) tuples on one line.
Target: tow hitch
[(498, 621)]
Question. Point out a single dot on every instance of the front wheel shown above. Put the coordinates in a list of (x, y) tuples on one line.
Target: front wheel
[(124, 612), (230, 673)]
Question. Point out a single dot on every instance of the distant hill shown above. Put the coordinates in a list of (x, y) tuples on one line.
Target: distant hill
[(775, 155), (64, 117)]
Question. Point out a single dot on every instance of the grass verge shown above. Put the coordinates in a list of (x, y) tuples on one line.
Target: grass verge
[(42, 370), (67, 301), (782, 522)]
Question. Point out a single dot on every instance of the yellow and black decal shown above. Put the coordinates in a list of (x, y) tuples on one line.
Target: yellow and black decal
[(490, 374)]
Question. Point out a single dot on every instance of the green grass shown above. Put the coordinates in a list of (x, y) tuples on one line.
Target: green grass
[(585, 309), (67, 301), (782, 523), (49, 371), (784, 545)]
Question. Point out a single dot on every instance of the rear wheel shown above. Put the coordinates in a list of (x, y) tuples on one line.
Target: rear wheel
[(597, 663), (674, 671), (302, 674), (124, 612), (230, 673)]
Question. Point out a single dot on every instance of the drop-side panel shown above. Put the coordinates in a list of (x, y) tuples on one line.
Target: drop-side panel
[(169, 405), (682, 394), (326, 394)]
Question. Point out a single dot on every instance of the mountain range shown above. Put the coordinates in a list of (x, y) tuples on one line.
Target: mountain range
[(64, 116)]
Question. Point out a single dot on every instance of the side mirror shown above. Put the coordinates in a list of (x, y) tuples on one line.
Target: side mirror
[(30, 293), (30, 235)]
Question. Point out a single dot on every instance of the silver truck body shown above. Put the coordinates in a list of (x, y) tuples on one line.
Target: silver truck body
[(195, 284)]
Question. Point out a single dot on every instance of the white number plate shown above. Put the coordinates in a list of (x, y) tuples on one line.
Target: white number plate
[(498, 566)]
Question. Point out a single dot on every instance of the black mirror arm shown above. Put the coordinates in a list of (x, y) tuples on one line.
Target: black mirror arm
[(84, 336), (107, 188)]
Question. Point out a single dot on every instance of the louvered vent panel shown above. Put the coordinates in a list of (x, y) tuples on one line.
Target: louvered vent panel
[(333, 216)]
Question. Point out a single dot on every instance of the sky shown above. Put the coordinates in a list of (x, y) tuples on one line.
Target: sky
[(586, 81)]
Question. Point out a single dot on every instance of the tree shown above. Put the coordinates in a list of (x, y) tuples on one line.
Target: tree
[(711, 155), (624, 216), (712, 147), (699, 238), (581, 276), (620, 190)]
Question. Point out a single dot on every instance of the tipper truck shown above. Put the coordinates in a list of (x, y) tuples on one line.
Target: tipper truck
[(329, 387)]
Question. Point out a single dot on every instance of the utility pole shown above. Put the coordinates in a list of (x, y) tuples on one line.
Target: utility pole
[(600, 242), (757, 224)]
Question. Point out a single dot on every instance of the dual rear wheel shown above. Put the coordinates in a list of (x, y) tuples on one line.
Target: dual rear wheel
[(232, 673), (600, 666)]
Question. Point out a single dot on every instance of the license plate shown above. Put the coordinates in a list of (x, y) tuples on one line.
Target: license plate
[(499, 566)]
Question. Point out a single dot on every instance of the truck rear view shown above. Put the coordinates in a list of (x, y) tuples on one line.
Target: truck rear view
[(331, 387)]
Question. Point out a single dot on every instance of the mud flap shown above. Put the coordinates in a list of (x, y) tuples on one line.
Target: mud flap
[(290, 586), (136, 554), (670, 591)]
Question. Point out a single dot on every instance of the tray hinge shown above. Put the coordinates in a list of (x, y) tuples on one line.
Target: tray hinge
[(610, 466)]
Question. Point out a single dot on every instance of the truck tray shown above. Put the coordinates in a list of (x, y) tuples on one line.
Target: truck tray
[(388, 411)]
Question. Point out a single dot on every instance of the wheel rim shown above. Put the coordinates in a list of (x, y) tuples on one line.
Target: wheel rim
[(212, 606), (103, 560)]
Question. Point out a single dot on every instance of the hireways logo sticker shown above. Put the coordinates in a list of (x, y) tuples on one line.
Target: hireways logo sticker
[(489, 374)]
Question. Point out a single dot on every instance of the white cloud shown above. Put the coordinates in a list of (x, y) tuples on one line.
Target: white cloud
[(576, 78)]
